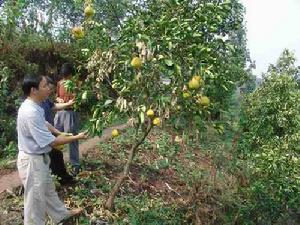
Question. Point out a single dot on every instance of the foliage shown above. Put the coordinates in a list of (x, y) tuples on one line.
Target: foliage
[(159, 59), (145, 210), (177, 49), (172, 50), (7, 110), (270, 144), (27, 53), (249, 85), (286, 65), (53, 18)]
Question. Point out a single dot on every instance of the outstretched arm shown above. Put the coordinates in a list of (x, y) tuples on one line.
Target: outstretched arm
[(61, 139), (60, 106), (52, 129)]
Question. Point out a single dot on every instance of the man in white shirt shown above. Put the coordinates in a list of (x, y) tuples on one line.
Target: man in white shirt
[(34, 144)]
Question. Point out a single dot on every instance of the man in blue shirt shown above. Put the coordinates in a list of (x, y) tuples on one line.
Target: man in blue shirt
[(57, 164), (34, 143)]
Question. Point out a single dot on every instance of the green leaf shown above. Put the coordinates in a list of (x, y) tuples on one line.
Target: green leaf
[(143, 108), (197, 34), (142, 117), (225, 88), (178, 69), (107, 102), (169, 62)]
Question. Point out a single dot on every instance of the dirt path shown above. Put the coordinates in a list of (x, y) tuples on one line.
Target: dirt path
[(12, 180)]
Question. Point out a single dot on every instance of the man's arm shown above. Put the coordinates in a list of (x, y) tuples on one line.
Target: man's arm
[(60, 106), (41, 134), (58, 99), (52, 129), (61, 139), (57, 133)]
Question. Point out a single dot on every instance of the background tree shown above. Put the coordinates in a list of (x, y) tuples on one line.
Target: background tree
[(270, 144)]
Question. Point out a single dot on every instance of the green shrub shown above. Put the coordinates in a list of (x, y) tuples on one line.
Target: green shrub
[(270, 147), (8, 102)]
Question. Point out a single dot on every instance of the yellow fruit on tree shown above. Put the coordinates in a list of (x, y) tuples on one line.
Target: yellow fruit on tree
[(198, 78), (136, 62), (89, 11), (78, 32), (194, 83), (204, 101), (186, 95), (150, 113), (80, 35), (156, 121), (115, 133)]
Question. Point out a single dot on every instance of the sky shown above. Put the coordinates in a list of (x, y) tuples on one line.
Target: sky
[(272, 25)]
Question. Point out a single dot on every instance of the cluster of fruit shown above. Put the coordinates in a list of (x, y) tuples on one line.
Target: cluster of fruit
[(195, 83), (150, 113), (78, 31)]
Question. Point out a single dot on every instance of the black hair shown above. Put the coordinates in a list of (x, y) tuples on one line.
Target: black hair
[(31, 81), (66, 70), (50, 80)]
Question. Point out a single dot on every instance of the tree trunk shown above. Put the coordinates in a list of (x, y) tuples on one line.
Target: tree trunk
[(109, 204)]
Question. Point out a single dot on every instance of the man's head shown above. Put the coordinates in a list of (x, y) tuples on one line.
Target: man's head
[(67, 70), (35, 87), (51, 84)]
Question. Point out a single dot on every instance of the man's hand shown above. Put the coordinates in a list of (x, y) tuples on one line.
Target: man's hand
[(71, 102), (82, 135), (59, 100), (63, 139)]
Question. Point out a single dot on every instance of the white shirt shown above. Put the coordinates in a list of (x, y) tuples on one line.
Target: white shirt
[(33, 135)]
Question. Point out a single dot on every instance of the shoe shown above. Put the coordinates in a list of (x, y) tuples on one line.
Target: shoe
[(67, 179), (72, 213), (75, 170)]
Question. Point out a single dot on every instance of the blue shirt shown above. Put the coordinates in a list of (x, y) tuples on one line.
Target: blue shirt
[(33, 135), (47, 105)]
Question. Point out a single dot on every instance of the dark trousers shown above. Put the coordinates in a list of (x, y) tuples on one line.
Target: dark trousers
[(68, 121), (57, 164)]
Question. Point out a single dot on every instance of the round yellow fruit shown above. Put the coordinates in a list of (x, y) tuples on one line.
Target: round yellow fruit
[(115, 133), (194, 84), (59, 147), (198, 78), (156, 122), (150, 113), (186, 95), (80, 35), (136, 62), (78, 32), (204, 101), (89, 11)]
